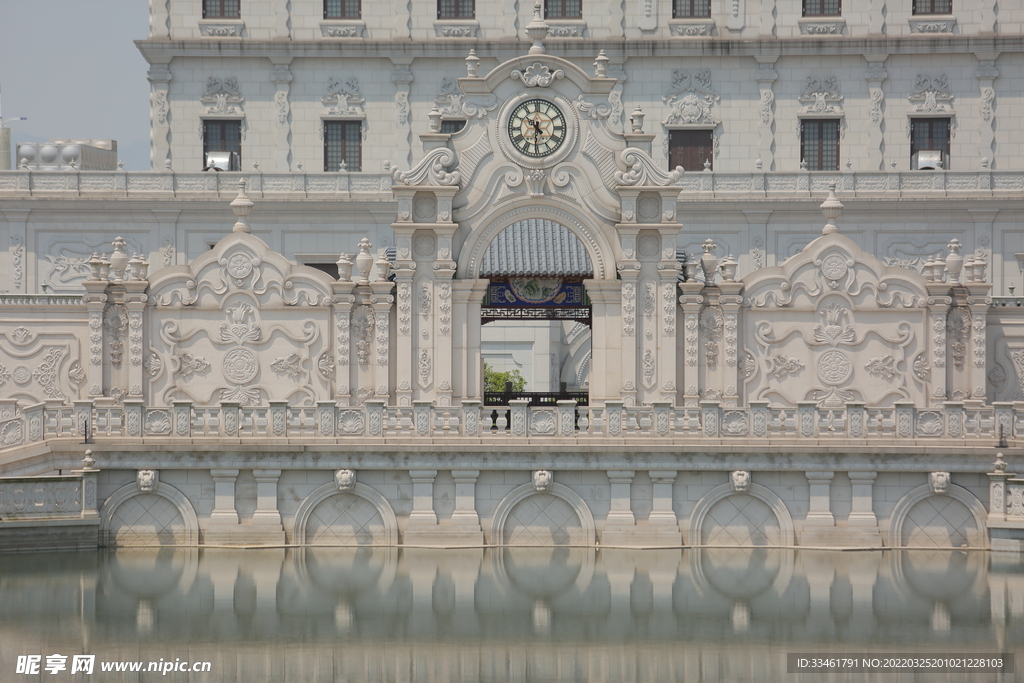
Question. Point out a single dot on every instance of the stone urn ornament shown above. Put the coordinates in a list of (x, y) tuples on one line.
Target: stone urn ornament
[(728, 267), (345, 267), (709, 262), (119, 259), (364, 261)]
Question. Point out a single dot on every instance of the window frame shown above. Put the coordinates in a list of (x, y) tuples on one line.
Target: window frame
[(677, 5), (916, 9), (206, 138), (343, 4), (220, 14), (449, 124), (458, 11), (817, 8), (818, 162), (944, 147), (562, 12), (681, 133), (328, 124)]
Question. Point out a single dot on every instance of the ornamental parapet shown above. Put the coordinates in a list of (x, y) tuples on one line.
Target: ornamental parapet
[(692, 185), (900, 427)]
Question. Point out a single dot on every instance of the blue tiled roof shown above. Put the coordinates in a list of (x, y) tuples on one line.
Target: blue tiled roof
[(536, 247)]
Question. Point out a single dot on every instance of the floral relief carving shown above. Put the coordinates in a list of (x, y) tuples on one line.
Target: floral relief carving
[(424, 368), (780, 366), (343, 98), (690, 324), (628, 307), (711, 323), (46, 373), (362, 326), (921, 369), (648, 367), (325, 365), (382, 340), (690, 97), (291, 366), (404, 308), (115, 324), (669, 309), (884, 367), (189, 365), (444, 296), (239, 330), (221, 97), (958, 326), (342, 327), (449, 98), (537, 75)]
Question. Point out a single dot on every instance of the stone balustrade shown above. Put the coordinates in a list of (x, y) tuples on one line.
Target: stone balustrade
[(58, 497), (701, 185), (709, 422)]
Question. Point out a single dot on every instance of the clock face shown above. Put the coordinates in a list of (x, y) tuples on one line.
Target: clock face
[(536, 128)]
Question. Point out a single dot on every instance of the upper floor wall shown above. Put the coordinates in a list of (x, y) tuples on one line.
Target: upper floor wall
[(320, 20)]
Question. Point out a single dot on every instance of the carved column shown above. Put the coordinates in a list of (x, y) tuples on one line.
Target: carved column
[(16, 263), (266, 516), (938, 308), (629, 272), (95, 300), (978, 302), (401, 76), (159, 76), (341, 310), (281, 77), (467, 367), (444, 271), (668, 276), (690, 300), (404, 269), (875, 76), (987, 74), (135, 301), (381, 301), (766, 76), (115, 332), (731, 299)]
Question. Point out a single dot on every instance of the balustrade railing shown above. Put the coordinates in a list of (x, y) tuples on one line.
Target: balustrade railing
[(518, 420)]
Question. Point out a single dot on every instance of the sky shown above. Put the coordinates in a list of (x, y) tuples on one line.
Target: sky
[(71, 67)]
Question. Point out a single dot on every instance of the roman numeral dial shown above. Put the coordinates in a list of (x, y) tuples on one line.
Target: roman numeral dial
[(536, 128)]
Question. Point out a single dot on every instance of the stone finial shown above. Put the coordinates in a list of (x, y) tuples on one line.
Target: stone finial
[(1000, 464), (345, 267), (739, 481), (636, 120), (364, 261), (728, 266), (167, 165), (601, 65), (345, 480), (119, 259), (241, 205), (938, 482), (709, 262), (472, 64), (89, 462), (542, 480), (832, 208), (147, 480), (954, 262), (537, 30), (435, 120)]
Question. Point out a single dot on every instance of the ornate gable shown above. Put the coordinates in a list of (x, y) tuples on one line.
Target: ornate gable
[(834, 325), (239, 324)]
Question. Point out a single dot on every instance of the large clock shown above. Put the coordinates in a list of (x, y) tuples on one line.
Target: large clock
[(536, 128)]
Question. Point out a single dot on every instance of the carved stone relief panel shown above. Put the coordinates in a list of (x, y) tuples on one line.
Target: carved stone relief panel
[(255, 331), (39, 364)]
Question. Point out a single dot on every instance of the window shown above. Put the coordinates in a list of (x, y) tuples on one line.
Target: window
[(822, 8), (929, 134), (222, 9), (341, 9), (452, 126), (819, 144), (690, 149), (933, 6), (691, 9), (563, 9), (455, 9), (223, 136), (343, 142), (326, 267)]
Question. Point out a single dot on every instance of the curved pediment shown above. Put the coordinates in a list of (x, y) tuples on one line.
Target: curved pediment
[(538, 71), (834, 264)]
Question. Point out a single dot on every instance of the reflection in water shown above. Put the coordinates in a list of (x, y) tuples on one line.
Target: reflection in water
[(527, 614)]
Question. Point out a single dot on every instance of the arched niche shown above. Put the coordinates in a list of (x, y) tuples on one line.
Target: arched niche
[(787, 534), (306, 507), (190, 522), (524, 491), (901, 512)]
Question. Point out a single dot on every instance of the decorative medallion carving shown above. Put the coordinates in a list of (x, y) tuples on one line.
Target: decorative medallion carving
[(690, 97)]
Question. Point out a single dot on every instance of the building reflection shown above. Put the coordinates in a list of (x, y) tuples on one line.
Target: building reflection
[(504, 604)]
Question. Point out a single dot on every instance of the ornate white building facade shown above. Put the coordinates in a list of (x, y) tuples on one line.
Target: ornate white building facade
[(844, 385)]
